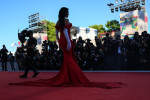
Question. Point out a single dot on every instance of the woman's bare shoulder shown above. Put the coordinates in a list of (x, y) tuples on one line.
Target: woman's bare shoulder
[(57, 24), (67, 22)]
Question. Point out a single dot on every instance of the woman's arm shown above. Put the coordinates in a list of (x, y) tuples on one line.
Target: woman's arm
[(56, 33), (67, 38)]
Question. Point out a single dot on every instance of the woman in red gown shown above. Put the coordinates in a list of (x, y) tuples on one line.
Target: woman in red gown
[(70, 74)]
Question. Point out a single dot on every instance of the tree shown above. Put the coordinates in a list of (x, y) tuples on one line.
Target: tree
[(50, 30), (99, 28), (113, 25)]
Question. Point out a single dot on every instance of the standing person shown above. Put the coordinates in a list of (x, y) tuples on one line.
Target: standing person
[(0, 58), (12, 61), (31, 53), (70, 74), (4, 56)]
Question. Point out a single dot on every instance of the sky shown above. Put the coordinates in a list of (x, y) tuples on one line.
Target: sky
[(14, 15)]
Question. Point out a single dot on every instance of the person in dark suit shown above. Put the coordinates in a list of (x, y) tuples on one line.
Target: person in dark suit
[(31, 53), (4, 56)]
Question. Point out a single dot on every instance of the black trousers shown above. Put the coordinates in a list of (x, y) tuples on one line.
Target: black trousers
[(4, 65), (12, 65), (30, 65)]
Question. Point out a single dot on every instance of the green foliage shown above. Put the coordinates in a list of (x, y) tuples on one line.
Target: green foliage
[(50, 30), (100, 28), (113, 25)]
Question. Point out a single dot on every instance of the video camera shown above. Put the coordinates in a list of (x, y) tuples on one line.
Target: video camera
[(23, 35)]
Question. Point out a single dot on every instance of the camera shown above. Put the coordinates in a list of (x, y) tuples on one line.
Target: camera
[(23, 35)]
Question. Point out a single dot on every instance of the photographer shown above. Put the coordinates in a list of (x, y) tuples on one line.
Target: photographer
[(80, 41), (98, 42), (80, 44), (107, 40), (89, 46), (11, 60), (30, 46), (4, 56)]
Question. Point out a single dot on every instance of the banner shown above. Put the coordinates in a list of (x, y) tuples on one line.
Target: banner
[(133, 21), (128, 23)]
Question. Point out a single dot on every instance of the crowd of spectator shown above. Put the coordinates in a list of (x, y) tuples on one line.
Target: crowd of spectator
[(107, 54)]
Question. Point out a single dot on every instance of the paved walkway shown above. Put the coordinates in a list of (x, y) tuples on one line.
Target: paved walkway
[(16, 67), (9, 66)]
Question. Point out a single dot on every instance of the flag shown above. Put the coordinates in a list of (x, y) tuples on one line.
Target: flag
[(13, 44), (19, 43)]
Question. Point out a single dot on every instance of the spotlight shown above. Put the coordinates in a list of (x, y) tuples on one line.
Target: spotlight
[(112, 10), (132, 2), (111, 4), (37, 14), (143, 3), (130, 6), (120, 5), (127, 8), (124, 4), (138, 3), (108, 4), (32, 16), (116, 9), (120, 8), (135, 6)]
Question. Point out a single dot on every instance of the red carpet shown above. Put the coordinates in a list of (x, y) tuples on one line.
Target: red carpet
[(138, 87)]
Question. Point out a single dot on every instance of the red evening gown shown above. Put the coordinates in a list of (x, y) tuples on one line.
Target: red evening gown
[(70, 75)]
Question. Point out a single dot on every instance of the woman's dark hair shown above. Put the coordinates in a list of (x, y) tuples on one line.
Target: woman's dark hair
[(62, 14)]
